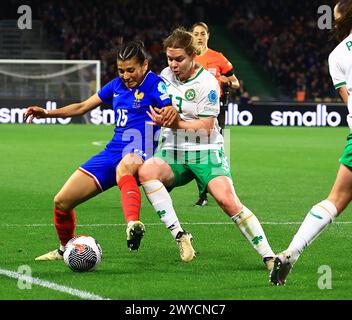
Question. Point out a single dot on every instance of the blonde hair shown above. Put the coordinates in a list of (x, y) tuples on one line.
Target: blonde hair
[(180, 38)]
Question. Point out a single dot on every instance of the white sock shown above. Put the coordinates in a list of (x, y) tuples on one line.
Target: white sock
[(252, 230), (62, 248), (160, 199), (314, 223)]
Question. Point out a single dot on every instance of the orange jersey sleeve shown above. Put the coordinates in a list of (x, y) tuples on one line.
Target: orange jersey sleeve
[(215, 62)]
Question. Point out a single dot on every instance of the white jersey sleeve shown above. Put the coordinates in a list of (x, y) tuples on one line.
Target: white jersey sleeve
[(340, 68), (337, 73)]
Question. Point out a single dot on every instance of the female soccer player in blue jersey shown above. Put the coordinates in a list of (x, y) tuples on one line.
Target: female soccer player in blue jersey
[(133, 142)]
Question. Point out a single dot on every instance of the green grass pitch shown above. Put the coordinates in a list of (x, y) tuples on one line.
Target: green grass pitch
[(279, 173)]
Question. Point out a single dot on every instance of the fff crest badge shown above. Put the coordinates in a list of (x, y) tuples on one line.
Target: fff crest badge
[(138, 96)]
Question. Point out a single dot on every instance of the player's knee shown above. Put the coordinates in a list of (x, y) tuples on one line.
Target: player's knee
[(129, 165), (61, 204), (146, 173), (229, 204), (126, 171)]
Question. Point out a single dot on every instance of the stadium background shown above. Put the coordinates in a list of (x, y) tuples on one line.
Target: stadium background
[(280, 56), (276, 47)]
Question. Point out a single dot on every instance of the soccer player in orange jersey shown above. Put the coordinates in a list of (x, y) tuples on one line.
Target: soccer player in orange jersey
[(222, 69)]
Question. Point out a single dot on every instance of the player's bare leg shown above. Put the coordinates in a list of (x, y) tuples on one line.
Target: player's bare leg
[(221, 188), (77, 189)]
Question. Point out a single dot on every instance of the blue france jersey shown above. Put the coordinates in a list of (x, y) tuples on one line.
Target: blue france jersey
[(130, 105)]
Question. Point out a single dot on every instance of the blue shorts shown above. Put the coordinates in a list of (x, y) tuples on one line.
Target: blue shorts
[(102, 167)]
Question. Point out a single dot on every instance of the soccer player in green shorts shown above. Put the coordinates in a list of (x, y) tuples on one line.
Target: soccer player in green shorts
[(323, 213), (192, 148)]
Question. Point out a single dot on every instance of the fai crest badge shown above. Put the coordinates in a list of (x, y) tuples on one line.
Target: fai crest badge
[(190, 95)]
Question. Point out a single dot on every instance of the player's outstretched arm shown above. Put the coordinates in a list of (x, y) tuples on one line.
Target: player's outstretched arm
[(343, 92), (206, 124), (164, 117), (199, 124), (169, 115), (34, 112), (71, 110)]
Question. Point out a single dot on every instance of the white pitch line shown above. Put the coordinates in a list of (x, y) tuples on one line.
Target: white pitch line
[(159, 224), (51, 285), (98, 143)]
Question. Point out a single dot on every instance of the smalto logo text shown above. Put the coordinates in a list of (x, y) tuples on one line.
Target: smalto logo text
[(235, 117), (16, 115), (318, 118)]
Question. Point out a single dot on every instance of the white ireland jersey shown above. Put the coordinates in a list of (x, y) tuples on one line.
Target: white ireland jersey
[(340, 67), (194, 99)]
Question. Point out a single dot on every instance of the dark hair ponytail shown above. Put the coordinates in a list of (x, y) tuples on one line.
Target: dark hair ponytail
[(133, 49), (343, 25)]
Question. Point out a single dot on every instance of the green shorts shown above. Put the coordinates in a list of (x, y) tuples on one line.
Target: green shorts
[(203, 166), (346, 157)]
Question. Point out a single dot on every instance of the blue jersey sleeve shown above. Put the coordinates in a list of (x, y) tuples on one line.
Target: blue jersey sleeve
[(160, 95), (106, 93)]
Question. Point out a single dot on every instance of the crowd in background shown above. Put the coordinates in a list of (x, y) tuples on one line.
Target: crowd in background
[(281, 36), (84, 30)]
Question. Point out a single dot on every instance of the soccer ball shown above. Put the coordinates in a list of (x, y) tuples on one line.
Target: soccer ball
[(82, 253)]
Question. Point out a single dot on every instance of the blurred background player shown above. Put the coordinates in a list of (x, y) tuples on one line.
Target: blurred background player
[(216, 63), (193, 148), (130, 95), (323, 213)]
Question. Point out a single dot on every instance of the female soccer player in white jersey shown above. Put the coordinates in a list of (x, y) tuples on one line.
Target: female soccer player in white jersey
[(192, 148), (324, 212), (130, 95)]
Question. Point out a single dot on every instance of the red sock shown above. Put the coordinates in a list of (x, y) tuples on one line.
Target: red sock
[(65, 224), (130, 198)]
